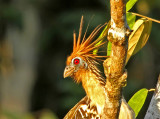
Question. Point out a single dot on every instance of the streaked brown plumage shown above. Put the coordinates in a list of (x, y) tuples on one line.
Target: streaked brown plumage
[(82, 67)]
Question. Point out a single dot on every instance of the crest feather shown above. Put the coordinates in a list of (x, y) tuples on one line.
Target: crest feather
[(86, 47)]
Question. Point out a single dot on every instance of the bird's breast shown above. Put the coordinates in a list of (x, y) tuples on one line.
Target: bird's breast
[(95, 91)]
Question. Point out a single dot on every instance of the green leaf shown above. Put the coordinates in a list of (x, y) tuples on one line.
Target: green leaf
[(131, 18), (103, 35), (130, 4), (105, 31), (139, 36), (109, 48), (137, 100), (96, 50)]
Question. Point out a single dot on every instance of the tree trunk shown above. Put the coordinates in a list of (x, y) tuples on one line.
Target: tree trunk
[(114, 67), (153, 111)]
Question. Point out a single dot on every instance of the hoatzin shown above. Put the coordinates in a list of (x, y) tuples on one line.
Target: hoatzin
[(81, 65)]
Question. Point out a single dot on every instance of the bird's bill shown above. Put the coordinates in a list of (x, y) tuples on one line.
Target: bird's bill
[(68, 71)]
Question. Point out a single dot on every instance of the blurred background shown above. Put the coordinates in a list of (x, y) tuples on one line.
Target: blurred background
[(35, 40)]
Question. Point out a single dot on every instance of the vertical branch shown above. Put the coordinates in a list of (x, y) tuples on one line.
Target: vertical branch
[(154, 106), (114, 66)]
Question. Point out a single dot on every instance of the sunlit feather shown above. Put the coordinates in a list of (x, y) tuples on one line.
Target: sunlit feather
[(87, 45)]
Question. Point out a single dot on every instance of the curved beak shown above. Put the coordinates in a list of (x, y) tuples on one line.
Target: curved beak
[(68, 71)]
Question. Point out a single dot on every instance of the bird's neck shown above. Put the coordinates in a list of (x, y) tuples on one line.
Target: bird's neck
[(93, 88)]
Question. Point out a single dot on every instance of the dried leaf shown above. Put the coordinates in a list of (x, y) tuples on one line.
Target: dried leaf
[(139, 36)]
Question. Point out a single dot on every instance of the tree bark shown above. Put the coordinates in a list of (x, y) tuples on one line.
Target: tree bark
[(114, 66), (153, 111)]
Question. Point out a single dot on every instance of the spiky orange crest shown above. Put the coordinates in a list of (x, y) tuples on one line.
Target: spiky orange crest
[(85, 47)]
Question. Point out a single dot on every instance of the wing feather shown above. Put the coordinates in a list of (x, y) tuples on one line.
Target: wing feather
[(83, 110), (74, 113)]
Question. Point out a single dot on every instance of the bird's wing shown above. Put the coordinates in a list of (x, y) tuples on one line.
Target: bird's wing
[(83, 110), (78, 111)]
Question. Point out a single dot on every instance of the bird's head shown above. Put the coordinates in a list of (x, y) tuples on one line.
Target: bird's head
[(82, 57), (74, 64)]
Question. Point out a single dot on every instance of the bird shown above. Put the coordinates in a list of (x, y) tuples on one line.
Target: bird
[(82, 66)]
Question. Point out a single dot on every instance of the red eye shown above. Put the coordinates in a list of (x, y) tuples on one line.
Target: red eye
[(76, 61)]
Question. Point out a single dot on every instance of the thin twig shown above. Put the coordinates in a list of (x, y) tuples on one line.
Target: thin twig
[(158, 21)]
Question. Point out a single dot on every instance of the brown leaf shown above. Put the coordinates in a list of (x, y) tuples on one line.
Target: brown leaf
[(139, 36)]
